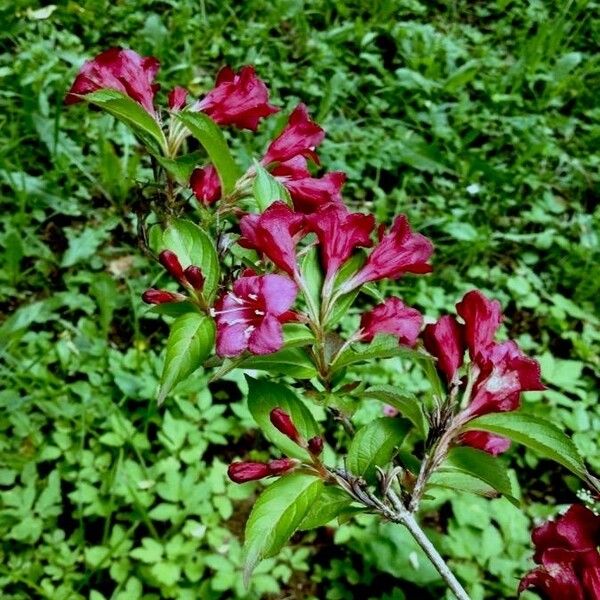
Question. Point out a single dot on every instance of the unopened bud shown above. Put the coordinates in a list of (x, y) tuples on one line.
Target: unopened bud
[(281, 465), (283, 422), (153, 296), (171, 263), (240, 472), (315, 445), (194, 277)]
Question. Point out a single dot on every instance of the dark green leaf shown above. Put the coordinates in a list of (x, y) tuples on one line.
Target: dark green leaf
[(288, 361), (464, 482), (297, 334), (267, 189), (313, 276), (182, 166), (331, 503)]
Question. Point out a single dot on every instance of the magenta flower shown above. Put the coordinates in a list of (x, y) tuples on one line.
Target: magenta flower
[(339, 233), (177, 98), (482, 318), (240, 100), (445, 341), (250, 317), (299, 138), (274, 233), (567, 552), (400, 251), (205, 184), (121, 70), (395, 318)]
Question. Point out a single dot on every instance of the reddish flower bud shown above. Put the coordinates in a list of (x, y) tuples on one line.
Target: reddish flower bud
[(153, 296), (171, 263), (206, 185), (240, 472), (283, 422), (315, 445), (194, 277), (280, 466)]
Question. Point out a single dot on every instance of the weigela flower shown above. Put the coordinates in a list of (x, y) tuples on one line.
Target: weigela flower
[(400, 251), (299, 138), (488, 442), (567, 552), (274, 233), (240, 99), (177, 98), (205, 184), (250, 316), (445, 340), (241, 472), (395, 318), (482, 318), (121, 70), (339, 232), (283, 423)]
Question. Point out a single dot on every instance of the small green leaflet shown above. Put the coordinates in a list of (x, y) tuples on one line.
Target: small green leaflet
[(276, 515), (267, 189), (331, 503), (132, 114), (190, 342), (537, 434)]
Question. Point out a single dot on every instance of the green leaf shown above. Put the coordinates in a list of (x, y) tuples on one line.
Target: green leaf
[(537, 434), (481, 465), (276, 515), (288, 361), (181, 167), (464, 482), (297, 334), (263, 397), (194, 247), (374, 445), (207, 132), (133, 115), (331, 503), (190, 341), (313, 275), (407, 404), (267, 189)]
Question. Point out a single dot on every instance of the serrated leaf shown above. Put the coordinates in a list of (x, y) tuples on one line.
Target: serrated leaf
[(464, 482), (263, 397), (331, 503), (539, 435), (190, 341), (407, 404), (296, 335), (267, 189), (194, 247), (288, 361), (375, 444), (133, 115), (208, 133), (276, 515)]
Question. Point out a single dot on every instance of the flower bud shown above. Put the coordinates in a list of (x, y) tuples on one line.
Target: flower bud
[(315, 445), (280, 466), (171, 263), (153, 296), (240, 472), (194, 277), (282, 422)]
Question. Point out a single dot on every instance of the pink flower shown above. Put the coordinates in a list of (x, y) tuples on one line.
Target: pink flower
[(205, 184), (482, 318), (299, 138), (567, 552), (274, 233), (444, 340), (121, 70), (488, 442), (339, 233), (240, 100), (400, 251), (250, 317), (177, 98), (241, 472), (395, 318), (283, 423)]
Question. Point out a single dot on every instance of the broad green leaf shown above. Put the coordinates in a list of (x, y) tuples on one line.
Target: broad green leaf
[(375, 444), (193, 247), (408, 404), (343, 303), (288, 361), (331, 503), (537, 434), (464, 482), (263, 397), (313, 276), (182, 166), (276, 515), (481, 465), (267, 189), (174, 309), (207, 132), (190, 341), (132, 114), (297, 334)]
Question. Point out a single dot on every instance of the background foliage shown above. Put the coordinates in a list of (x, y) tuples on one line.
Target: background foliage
[(479, 120)]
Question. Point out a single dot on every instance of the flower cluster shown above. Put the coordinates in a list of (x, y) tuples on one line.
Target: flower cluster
[(566, 551), (497, 372)]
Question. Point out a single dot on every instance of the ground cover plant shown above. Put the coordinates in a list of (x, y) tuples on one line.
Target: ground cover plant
[(107, 495)]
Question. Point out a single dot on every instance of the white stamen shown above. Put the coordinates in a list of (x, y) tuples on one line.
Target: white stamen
[(248, 331), (253, 297), (236, 298), (260, 313)]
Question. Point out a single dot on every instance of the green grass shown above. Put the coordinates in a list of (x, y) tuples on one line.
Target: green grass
[(479, 120)]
